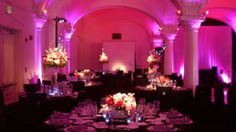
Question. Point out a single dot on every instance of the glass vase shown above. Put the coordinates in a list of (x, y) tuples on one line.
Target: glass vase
[(119, 115)]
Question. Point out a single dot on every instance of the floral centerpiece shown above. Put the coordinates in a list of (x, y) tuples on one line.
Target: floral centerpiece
[(163, 81), (56, 57), (122, 100), (120, 106), (83, 75), (103, 57), (153, 58)]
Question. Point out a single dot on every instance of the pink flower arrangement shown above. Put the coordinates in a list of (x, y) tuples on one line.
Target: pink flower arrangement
[(163, 81), (85, 74), (56, 57), (153, 58), (103, 57), (122, 100)]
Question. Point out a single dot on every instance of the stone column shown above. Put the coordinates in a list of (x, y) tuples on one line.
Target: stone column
[(39, 23), (68, 36), (191, 27), (190, 16), (169, 53)]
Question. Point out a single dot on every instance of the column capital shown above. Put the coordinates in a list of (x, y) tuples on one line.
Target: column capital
[(191, 13), (191, 23), (169, 36), (169, 32), (39, 22), (157, 41), (190, 7), (68, 35)]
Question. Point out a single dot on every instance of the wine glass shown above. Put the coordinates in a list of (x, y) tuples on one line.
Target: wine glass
[(103, 102), (156, 104)]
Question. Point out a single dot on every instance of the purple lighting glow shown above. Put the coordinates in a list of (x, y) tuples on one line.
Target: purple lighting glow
[(182, 70)]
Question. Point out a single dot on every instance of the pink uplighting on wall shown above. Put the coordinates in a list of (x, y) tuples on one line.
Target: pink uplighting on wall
[(119, 66), (181, 71), (226, 96), (156, 30), (45, 12), (39, 22), (157, 42), (225, 78)]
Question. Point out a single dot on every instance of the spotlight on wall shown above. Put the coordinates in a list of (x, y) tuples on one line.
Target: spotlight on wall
[(45, 12), (179, 12), (9, 9), (206, 12)]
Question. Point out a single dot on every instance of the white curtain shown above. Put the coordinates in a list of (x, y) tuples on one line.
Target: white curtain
[(1, 56), (215, 48), (7, 39)]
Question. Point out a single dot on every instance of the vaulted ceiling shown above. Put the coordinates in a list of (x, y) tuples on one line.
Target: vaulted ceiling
[(162, 11)]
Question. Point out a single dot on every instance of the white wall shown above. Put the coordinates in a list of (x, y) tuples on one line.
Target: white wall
[(22, 21)]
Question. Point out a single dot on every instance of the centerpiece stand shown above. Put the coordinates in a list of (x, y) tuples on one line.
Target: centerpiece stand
[(119, 116)]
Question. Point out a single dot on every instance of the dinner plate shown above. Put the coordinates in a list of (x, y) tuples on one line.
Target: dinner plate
[(174, 115), (142, 123), (181, 122), (121, 126), (133, 126), (78, 129), (98, 115), (156, 122), (86, 118), (58, 123), (74, 116), (100, 125), (160, 128), (82, 121), (149, 116)]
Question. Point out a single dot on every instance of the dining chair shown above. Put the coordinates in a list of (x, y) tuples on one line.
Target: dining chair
[(31, 88), (78, 86)]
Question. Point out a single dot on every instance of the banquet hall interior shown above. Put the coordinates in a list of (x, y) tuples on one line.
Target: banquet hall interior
[(117, 65)]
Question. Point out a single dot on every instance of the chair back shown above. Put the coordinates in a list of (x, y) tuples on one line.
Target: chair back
[(47, 82), (31, 88), (78, 86), (2, 104)]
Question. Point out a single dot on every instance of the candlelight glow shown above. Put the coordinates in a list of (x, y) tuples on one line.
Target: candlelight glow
[(182, 70), (120, 67), (103, 57)]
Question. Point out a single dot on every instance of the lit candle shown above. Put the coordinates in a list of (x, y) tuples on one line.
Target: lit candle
[(128, 120), (104, 115), (107, 120), (139, 118)]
